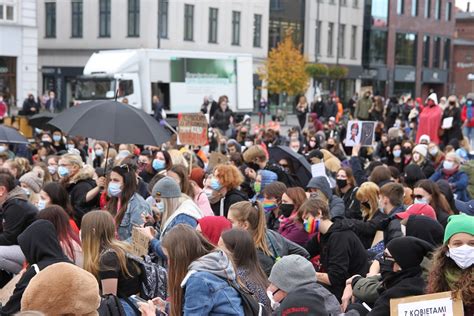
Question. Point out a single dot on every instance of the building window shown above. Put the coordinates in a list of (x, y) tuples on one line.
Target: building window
[(401, 7), (414, 8), (426, 50), (405, 49), (235, 27), (447, 53), (133, 18), (379, 13), (7, 12), (188, 22), (76, 12), (163, 19), (50, 19), (427, 9), (257, 30), (104, 18), (438, 9), (355, 3), (318, 38), (354, 42), (275, 4), (448, 11), (341, 41), (375, 47), (213, 12), (330, 38), (437, 52)]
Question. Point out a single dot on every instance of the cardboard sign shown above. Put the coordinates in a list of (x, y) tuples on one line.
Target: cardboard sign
[(437, 304), (360, 132), (192, 129), (140, 243)]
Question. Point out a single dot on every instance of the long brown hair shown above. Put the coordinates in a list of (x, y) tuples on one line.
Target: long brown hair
[(128, 190), (192, 246), (350, 178), (253, 214), (182, 172), (437, 279), (98, 235), (438, 201)]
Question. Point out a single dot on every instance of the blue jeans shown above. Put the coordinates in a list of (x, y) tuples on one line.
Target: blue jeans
[(129, 311)]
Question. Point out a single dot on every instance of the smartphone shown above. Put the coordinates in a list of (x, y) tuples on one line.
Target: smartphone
[(137, 299)]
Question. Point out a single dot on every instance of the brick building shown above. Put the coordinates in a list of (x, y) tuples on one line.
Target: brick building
[(463, 58)]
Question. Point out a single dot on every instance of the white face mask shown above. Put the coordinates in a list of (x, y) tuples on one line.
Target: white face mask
[(274, 304), (433, 151), (463, 256)]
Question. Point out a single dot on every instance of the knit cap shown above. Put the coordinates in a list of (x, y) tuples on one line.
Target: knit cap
[(267, 177), (421, 149), (409, 252), (461, 223), (291, 272), (166, 187), (425, 138), (32, 180)]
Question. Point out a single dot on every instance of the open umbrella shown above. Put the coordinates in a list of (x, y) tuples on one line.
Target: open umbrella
[(41, 120), (111, 121), (9, 135), (301, 166)]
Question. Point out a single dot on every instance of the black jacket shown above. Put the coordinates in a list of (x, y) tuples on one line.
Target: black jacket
[(222, 119), (233, 196), (16, 215), (279, 246), (393, 229), (77, 192), (42, 251), (352, 204), (342, 255), (28, 104), (366, 229)]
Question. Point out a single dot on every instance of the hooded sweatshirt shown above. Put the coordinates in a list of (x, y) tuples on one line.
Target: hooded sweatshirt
[(16, 216), (336, 204), (207, 288), (42, 251)]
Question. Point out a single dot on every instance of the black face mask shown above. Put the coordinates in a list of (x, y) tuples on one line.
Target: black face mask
[(366, 205), (287, 209), (386, 268), (341, 183), (330, 146), (406, 151), (452, 103)]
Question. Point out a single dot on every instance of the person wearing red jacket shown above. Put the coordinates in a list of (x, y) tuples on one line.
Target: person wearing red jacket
[(467, 116), (429, 120)]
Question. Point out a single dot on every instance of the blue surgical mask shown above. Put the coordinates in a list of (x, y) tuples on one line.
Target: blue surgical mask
[(397, 153), (215, 184), (63, 171), (123, 153), (57, 138), (160, 206), (52, 169), (114, 189), (99, 152), (448, 165), (420, 201), (71, 146), (41, 204), (158, 164)]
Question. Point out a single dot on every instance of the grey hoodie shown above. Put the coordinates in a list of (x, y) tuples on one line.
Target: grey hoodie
[(336, 204), (216, 263)]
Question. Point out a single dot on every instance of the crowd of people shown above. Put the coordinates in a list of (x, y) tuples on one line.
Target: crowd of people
[(244, 230)]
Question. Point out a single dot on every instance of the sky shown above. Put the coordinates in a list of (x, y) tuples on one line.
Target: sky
[(463, 4)]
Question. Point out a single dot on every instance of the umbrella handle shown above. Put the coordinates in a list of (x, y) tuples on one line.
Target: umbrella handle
[(106, 158)]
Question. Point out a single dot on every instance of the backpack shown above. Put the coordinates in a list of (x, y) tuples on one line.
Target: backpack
[(110, 306), (153, 278), (249, 305)]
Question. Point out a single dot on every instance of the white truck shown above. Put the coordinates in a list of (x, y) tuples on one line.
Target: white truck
[(180, 78)]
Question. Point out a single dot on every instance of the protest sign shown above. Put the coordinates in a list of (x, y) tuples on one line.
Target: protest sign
[(140, 243), (437, 304), (360, 132), (192, 129)]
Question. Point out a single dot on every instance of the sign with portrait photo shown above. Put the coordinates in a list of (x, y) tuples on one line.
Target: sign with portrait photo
[(360, 132)]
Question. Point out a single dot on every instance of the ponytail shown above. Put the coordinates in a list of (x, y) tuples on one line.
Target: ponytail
[(260, 232)]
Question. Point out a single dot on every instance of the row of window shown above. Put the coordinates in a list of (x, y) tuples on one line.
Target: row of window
[(277, 5), (7, 12), (133, 21), (341, 40), (427, 8)]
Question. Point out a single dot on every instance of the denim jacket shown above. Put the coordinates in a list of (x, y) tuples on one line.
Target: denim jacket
[(133, 217)]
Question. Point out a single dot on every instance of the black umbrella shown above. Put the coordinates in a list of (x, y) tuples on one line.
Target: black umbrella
[(9, 135), (41, 120), (301, 166), (111, 121)]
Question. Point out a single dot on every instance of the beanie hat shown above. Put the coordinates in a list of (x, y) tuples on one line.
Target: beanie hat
[(291, 272), (32, 180), (166, 187), (267, 177), (425, 137), (461, 223), (418, 209), (409, 252), (50, 291), (421, 149), (304, 302)]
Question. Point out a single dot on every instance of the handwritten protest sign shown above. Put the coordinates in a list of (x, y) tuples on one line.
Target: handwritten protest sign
[(437, 304), (140, 243), (192, 129)]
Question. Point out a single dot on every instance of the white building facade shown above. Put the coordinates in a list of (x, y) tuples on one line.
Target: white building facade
[(71, 30), (18, 51)]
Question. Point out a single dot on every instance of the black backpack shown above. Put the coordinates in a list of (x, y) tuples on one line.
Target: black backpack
[(110, 306), (153, 280), (250, 306)]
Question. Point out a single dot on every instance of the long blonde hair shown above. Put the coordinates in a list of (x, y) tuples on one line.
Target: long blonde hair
[(369, 191), (171, 205), (253, 214), (98, 235)]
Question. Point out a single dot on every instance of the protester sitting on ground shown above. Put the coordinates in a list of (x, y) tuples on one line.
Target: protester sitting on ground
[(212, 227), (264, 178), (225, 182), (456, 178), (196, 269), (291, 225), (435, 155), (391, 203), (31, 182), (420, 154), (320, 186), (272, 194), (106, 258), (125, 204), (270, 245), (17, 214), (447, 192), (346, 189), (453, 262), (293, 284), (426, 191), (240, 244), (40, 252), (17, 166)]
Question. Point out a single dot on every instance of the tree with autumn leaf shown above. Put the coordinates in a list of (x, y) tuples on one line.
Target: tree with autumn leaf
[(284, 71)]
